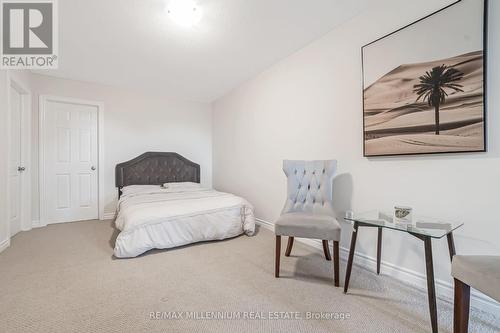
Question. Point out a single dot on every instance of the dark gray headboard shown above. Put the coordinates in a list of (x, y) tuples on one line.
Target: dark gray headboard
[(156, 168)]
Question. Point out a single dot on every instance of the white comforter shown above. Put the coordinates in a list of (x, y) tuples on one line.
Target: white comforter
[(160, 219)]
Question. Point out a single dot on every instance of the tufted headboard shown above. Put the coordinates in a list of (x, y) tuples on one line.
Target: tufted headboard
[(156, 168)]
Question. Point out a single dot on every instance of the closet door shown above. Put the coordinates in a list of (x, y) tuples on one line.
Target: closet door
[(15, 165), (70, 161)]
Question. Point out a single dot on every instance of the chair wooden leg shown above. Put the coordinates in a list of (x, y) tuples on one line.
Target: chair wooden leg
[(336, 263), (326, 250), (289, 246), (461, 307), (277, 260)]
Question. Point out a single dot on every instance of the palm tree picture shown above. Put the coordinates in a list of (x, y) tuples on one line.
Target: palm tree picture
[(424, 85), (433, 87)]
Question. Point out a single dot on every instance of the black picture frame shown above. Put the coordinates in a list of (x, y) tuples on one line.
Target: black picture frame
[(485, 82)]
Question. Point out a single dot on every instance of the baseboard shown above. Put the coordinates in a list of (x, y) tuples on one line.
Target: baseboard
[(109, 216), (4, 244), (444, 289), (37, 223)]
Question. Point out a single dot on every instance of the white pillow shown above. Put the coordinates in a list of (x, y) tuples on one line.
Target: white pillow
[(181, 185), (135, 189)]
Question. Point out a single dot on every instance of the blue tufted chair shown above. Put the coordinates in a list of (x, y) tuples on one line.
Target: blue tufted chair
[(308, 211)]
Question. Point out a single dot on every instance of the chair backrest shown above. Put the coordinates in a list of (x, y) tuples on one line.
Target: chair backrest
[(309, 186)]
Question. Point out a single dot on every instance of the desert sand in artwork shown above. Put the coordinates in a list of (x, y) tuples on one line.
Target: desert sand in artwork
[(396, 124)]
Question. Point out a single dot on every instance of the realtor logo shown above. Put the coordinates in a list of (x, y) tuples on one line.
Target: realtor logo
[(29, 34)]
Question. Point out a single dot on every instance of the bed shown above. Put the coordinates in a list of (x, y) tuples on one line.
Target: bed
[(162, 205)]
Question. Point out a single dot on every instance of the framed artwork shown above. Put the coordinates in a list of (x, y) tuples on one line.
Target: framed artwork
[(424, 85)]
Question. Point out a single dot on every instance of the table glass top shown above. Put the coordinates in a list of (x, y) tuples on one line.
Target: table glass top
[(425, 226)]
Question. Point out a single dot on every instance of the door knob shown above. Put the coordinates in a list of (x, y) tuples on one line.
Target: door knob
[(21, 168), (92, 168)]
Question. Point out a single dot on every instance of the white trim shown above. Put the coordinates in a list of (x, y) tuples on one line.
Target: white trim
[(109, 216), (100, 143), (41, 162), (444, 289), (100, 157), (5, 244), (7, 175), (26, 130)]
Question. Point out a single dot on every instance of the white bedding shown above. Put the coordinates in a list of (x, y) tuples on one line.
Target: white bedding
[(152, 217)]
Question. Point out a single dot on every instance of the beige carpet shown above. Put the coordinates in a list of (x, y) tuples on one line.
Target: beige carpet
[(63, 278)]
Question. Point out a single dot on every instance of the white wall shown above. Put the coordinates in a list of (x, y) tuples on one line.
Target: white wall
[(134, 122), (309, 106)]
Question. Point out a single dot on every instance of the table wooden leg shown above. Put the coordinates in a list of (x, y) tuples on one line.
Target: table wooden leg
[(351, 257), (451, 245), (379, 249), (431, 290)]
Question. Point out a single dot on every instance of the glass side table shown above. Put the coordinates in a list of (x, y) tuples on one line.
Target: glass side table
[(423, 228)]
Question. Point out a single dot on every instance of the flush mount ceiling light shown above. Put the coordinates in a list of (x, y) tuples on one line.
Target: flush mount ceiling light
[(184, 12)]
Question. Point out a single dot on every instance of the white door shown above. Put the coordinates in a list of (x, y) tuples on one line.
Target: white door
[(70, 162), (15, 166)]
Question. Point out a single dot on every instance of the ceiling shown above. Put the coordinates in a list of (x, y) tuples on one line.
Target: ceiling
[(134, 43)]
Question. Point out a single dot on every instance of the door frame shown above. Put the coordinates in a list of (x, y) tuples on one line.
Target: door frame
[(26, 128), (43, 99)]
